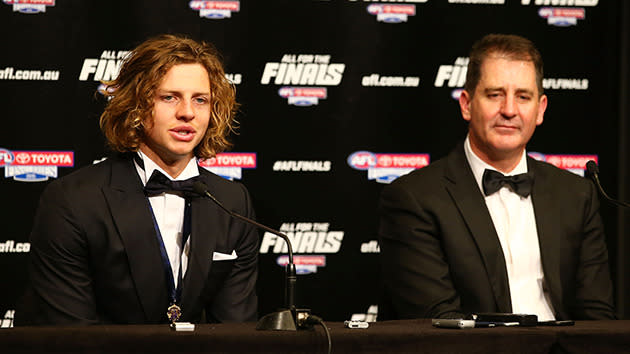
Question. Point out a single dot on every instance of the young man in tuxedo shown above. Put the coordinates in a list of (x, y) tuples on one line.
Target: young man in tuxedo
[(126, 241), (459, 237)]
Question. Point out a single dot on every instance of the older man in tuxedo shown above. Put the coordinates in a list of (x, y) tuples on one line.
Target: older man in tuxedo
[(488, 229), (125, 241)]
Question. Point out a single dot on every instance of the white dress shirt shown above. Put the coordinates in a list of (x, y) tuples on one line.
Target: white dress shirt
[(515, 223), (168, 210)]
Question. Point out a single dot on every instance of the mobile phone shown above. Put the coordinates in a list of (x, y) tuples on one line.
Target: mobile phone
[(182, 326), (505, 318), (556, 323), (453, 323), (483, 324), (355, 324)]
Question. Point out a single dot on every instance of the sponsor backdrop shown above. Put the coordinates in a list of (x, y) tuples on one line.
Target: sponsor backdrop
[(338, 97)]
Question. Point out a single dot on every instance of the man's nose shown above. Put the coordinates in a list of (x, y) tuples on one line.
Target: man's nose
[(185, 110), (508, 108)]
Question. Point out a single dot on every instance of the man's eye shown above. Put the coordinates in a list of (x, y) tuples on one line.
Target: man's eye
[(201, 100), (168, 98)]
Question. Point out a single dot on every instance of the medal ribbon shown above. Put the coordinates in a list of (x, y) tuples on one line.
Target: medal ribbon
[(173, 292)]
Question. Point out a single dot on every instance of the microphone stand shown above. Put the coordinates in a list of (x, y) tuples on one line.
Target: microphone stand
[(290, 318), (593, 171)]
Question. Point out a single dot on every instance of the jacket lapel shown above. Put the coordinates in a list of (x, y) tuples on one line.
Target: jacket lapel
[(548, 229), (208, 222), (132, 216), (471, 204)]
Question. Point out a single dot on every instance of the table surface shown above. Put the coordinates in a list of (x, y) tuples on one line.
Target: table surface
[(405, 336)]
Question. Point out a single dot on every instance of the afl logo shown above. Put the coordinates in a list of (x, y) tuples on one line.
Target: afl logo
[(362, 160), (456, 93), (536, 156), (6, 157), (286, 92)]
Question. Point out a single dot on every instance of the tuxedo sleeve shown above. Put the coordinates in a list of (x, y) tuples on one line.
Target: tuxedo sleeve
[(593, 293), (236, 300), (61, 289), (415, 269)]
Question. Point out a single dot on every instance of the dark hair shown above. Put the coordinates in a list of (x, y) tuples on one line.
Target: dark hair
[(509, 46), (132, 93)]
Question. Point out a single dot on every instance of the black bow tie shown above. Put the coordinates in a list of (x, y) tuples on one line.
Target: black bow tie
[(158, 183), (520, 184)]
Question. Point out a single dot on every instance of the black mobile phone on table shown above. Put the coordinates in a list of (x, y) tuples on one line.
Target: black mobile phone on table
[(557, 323)]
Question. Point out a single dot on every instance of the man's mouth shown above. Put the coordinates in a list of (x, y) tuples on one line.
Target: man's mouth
[(183, 130), (506, 127), (183, 133)]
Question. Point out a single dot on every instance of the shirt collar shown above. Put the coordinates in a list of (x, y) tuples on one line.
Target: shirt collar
[(191, 170), (478, 166)]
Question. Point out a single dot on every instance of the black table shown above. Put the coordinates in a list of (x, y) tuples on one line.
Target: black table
[(408, 336)]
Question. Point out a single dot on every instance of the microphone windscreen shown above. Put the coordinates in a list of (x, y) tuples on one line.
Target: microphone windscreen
[(591, 167), (200, 188)]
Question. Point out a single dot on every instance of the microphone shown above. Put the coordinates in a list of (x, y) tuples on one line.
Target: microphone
[(593, 171), (290, 318)]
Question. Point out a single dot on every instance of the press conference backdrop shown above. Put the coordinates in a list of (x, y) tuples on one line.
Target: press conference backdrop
[(338, 98)]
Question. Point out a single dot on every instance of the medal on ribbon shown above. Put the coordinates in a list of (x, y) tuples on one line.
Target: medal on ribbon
[(174, 313)]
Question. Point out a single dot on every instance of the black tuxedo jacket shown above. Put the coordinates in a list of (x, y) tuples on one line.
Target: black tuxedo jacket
[(95, 256), (441, 255)]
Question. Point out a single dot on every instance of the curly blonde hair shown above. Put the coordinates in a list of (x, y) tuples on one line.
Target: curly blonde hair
[(131, 93)]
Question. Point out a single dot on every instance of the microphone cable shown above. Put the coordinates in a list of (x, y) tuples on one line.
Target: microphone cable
[(313, 320)]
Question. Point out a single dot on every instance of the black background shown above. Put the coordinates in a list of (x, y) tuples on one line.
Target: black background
[(63, 115)]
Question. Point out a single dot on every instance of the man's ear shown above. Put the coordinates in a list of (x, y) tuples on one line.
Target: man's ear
[(464, 104), (147, 121), (542, 107)]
